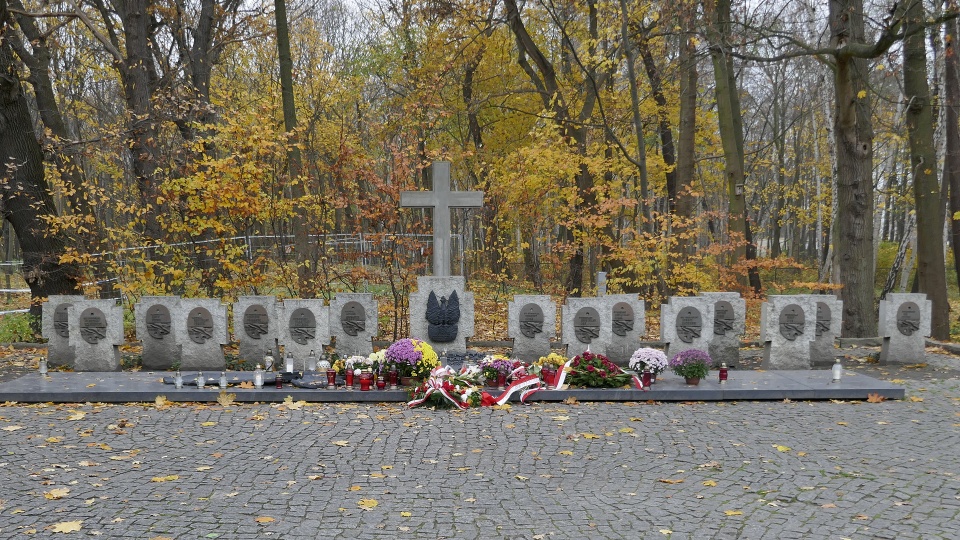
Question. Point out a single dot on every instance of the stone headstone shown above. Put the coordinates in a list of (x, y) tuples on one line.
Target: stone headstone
[(304, 327), (255, 327), (829, 321), (787, 328), (96, 333), (610, 325), (55, 327), (904, 324), (532, 322), (686, 322), (200, 325), (154, 321), (441, 199), (354, 322), (461, 316), (729, 324)]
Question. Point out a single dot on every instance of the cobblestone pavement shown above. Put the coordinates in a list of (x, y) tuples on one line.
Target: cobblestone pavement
[(593, 470)]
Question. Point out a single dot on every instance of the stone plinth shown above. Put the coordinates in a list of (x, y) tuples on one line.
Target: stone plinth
[(904, 323), (610, 325), (787, 325), (354, 322), (532, 322), (449, 327), (829, 324)]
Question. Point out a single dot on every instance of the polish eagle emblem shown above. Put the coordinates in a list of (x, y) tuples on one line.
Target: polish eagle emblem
[(443, 316)]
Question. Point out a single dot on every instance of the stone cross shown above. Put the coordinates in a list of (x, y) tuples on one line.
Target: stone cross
[(441, 199)]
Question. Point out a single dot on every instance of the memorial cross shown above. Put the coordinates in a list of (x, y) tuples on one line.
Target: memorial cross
[(441, 199)]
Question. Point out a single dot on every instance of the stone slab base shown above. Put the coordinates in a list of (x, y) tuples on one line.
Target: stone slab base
[(126, 387)]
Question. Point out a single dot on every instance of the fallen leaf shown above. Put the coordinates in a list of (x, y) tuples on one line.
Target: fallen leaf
[(782, 448), (828, 505), (590, 436), (264, 519), (874, 397), (636, 419), (377, 475), (566, 452), (315, 477), (168, 478), (204, 468), (57, 493), (161, 402), (76, 415), (801, 454), (571, 401), (341, 443), (225, 399), (626, 430), (560, 418), (86, 463), (842, 423), (916, 366), (861, 516), (293, 405), (67, 526), (246, 385), (367, 504), (355, 488), (54, 439), (710, 483), (12, 428), (916, 398), (666, 531), (670, 480), (522, 478), (406, 514), (208, 423), (733, 512)]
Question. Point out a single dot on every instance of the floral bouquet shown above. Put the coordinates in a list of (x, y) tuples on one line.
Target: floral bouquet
[(596, 371), (361, 363), (496, 364), (413, 357), (552, 360), (691, 364), (647, 358), (445, 388)]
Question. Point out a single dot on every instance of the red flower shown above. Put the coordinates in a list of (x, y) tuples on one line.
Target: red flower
[(591, 368)]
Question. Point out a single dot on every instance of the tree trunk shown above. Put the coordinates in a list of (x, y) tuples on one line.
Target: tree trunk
[(685, 209), (26, 201), (951, 165), (853, 130), (931, 268)]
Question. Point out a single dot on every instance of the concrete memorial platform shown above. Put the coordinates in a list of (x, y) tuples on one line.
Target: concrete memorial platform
[(68, 387)]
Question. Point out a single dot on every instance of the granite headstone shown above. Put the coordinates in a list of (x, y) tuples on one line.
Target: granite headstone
[(904, 326), (304, 328), (96, 333), (442, 308), (532, 322), (55, 327), (200, 325), (686, 323), (729, 324), (153, 316), (828, 327), (787, 328), (255, 327), (610, 325), (354, 322)]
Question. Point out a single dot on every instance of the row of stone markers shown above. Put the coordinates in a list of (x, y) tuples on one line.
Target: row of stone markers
[(798, 332)]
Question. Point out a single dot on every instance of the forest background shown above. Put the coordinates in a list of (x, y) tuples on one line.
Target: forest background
[(226, 147)]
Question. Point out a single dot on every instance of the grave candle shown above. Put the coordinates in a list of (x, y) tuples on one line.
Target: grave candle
[(381, 382), (258, 377), (311, 362), (43, 365), (178, 380), (645, 378), (724, 373), (349, 376), (331, 379), (200, 381), (223, 380), (288, 362), (837, 371), (279, 379)]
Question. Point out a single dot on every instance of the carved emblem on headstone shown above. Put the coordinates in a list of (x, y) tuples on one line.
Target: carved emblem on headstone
[(622, 318), (255, 321), (908, 318), (199, 325), (823, 319), (792, 322), (531, 320), (93, 325), (586, 325), (61, 321), (722, 318), (303, 326), (689, 324), (158, 321), (353, 318), (443, 316)]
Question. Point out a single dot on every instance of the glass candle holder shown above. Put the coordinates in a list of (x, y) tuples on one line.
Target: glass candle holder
[(381, 382), (178, 380), (201, 381), (501, 380), (258, 377), (645, 378), (394, 375), (349, 377), (43, 365), (331, 379), (724, 373), (365, 380)]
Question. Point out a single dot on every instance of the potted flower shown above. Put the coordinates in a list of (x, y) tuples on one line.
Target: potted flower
[(648, 358), (549, 366), (691, 364), (596, 371), (496, 368), (414, 358)]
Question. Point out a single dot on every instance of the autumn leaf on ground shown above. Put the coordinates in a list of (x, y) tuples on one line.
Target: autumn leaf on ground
[(66, 526), (560, 418), (12, 428), (168, 478), (522, 478), (264, 519), (626, 430), (54, 439), (915, 366), (781, 448), (87, 463), (341, 443), (225, 399), (367, 504), (208, 424), (916, 399), (733, 512), (875, 398), (566, 452), (57, 493), (76, 415), (828, 505), (406, 514), (293, 405), (571, 401), (590, 436), (246, 385), (670, 480), (161, 402), (377, 475), (710, 483)]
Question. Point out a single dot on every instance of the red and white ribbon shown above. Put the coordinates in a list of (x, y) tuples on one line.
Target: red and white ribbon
[(527, 385), (435, 384)]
